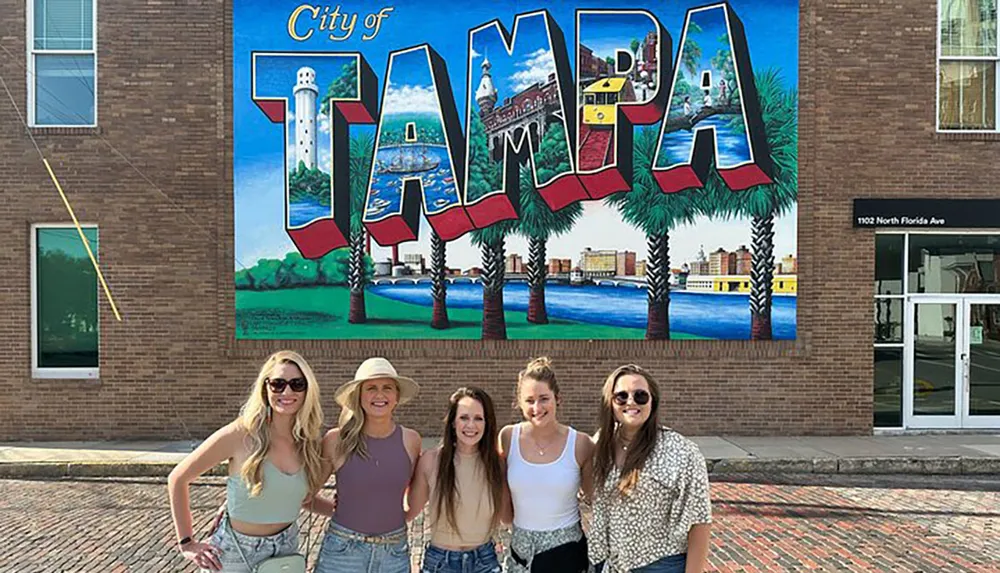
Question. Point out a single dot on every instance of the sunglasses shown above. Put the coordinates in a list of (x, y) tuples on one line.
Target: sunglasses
[(277, 385), (641, 397)]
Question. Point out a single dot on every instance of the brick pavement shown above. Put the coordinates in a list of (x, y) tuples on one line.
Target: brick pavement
[(119, 526)]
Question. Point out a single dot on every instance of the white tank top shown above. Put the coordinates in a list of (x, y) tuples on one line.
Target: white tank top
[(544, 495)]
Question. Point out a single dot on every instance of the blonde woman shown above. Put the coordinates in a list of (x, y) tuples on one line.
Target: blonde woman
[(373, 458), (652, 511), (274, 450)]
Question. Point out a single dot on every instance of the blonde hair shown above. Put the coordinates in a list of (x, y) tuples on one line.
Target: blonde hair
[(307, 431), (352, 425), (540, 370)]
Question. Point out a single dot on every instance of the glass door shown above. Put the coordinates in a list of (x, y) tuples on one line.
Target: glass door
[(981, 384), (934, 367)]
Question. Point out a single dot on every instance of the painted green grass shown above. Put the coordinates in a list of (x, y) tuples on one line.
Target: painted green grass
[(321, 313)]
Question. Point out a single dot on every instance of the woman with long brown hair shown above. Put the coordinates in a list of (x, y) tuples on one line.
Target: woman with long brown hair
[(274, 450), (652, 511), (464, 480), (548, 465)]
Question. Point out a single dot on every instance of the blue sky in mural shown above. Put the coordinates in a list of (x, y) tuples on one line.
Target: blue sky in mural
[(604, 33), (771, 28)]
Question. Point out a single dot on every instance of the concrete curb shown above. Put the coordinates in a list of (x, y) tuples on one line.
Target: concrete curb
[(940, 465), (936, 465), (56, 470)]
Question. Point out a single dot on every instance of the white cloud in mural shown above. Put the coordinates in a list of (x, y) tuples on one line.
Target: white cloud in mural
[(410, 99), (324, 158), (324, 123), (473, 53), (536, 68), (290, 116)]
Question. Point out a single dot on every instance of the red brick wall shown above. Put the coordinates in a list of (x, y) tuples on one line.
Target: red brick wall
[(172, 369)]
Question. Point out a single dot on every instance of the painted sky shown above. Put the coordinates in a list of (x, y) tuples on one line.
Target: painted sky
[(772, 33), (606, 33)]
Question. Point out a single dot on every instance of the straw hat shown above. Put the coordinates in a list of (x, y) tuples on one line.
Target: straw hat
[(377, 368)]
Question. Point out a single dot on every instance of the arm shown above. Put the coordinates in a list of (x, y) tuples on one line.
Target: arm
[(697, 551), (219, 447), (506, 504), (318, 503), (585, 459), (413, 444), (420, 487)]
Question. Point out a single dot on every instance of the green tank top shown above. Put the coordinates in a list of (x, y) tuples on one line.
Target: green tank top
[(279, 500)]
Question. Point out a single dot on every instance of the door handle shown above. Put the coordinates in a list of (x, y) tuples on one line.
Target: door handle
[(965, 372)]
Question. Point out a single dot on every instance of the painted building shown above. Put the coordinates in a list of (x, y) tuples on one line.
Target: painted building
[(177, 157)]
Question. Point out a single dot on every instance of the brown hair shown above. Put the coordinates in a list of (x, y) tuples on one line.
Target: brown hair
[(445, 492), (644, 441), (540, 370)]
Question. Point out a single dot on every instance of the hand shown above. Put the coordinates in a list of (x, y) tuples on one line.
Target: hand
[(203, 555)]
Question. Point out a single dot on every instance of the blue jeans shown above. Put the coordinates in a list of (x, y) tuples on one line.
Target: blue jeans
[(668, 564), (255, 549), (482, 559), (341, 554)]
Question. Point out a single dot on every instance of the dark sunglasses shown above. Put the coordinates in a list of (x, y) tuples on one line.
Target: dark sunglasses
[(641, 397), (277, 385)]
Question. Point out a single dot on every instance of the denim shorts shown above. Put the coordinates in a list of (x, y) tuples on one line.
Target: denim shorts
[(256, 549), (482, 559), (340, 554)]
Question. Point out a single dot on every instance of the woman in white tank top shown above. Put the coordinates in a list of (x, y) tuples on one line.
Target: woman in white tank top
[(548, 464)]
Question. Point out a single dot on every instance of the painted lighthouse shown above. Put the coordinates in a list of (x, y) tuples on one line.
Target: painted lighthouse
[(306, 94)]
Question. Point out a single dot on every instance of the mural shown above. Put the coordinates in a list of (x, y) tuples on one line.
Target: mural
[(501, 170)]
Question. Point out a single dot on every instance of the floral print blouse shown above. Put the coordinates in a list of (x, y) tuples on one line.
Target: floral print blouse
[(652, 521)]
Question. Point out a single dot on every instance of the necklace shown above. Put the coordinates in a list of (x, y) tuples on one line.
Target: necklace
[(541, 450)]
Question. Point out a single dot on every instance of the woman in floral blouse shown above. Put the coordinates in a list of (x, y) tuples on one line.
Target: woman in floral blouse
[(652, 512)]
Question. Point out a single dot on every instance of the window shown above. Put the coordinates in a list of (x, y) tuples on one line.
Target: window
[(888, 383), (62, 63), (967, 65), (64, 319)]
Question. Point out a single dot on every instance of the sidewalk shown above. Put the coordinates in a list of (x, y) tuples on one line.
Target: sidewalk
[(946, 454)]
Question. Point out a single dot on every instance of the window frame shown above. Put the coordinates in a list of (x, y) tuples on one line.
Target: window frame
[(30, 68), (63, 373), (937, 78)]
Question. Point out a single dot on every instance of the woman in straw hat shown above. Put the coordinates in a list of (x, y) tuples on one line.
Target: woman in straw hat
[(274, 451), (373, 458)]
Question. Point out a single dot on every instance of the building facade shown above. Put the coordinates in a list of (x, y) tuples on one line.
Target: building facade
[(893, 106)]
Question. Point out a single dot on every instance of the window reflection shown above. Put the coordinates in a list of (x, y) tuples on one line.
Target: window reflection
[(960, 264)]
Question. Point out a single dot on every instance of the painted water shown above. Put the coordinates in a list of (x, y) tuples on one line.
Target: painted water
[(721, 316), (732, 144), (305, 212), (392, 162)]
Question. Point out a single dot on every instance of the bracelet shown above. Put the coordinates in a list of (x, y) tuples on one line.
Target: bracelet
[(185, 541)]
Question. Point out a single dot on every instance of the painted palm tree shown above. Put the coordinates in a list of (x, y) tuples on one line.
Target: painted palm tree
[(779, 108), (691, 54), (537, 223), (656, 213), (362, 152), (439, 316), (492, 241)]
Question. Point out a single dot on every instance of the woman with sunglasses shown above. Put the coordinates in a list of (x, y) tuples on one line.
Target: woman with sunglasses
[(548, 464), (652, 511), (464, 480), (274, 450), (373, 458)]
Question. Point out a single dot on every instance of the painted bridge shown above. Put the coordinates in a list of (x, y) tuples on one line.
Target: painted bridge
[(560, 278)]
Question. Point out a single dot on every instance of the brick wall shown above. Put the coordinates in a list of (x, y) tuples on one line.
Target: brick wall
[(172, 369)]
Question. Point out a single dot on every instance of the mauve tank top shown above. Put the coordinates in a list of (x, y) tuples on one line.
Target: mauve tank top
[(370, 491)]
